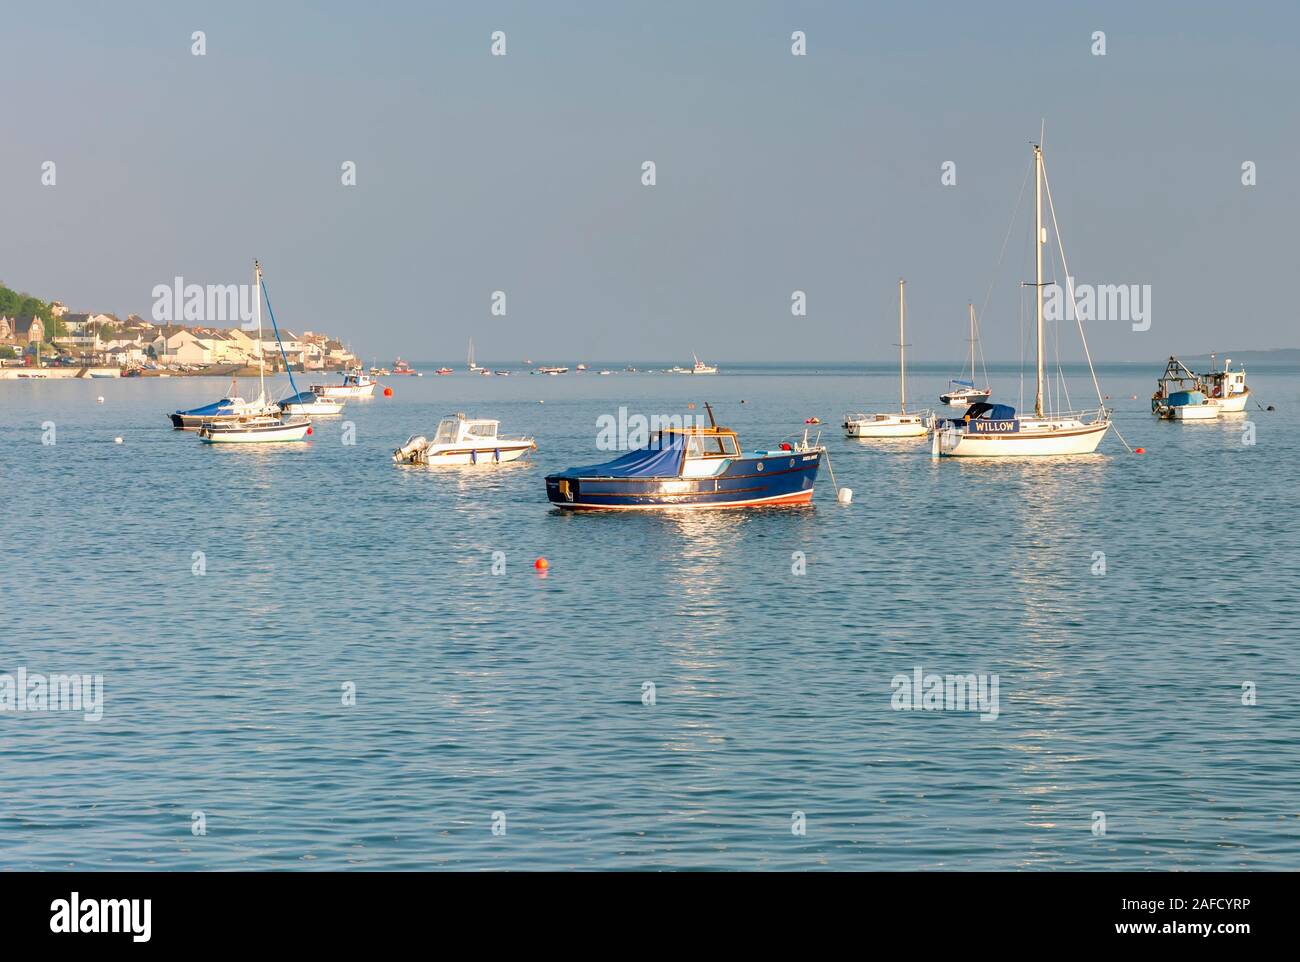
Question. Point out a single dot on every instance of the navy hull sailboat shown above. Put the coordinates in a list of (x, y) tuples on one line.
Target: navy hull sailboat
[(692, 467)]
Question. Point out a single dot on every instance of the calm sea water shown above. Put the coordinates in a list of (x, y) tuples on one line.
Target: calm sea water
[(521, 694)]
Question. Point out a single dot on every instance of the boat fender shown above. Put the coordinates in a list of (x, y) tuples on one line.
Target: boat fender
[(496, 453), (473, 456)]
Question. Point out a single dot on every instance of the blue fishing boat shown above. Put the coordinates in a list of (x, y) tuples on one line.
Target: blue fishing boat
[(692, 467)]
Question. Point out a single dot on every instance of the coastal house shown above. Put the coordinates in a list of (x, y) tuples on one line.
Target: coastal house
[(124, 353), (181, 346), (23, 329)]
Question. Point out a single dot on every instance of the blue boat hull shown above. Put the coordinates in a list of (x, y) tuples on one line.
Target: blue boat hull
[(781, 478)]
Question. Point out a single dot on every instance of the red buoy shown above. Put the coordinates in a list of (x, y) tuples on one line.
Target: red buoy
[(309, 430), (1139, 450), (388, 392), (541, 564)]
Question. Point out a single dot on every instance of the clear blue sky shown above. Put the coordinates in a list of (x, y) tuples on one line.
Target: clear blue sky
[(775, 173)]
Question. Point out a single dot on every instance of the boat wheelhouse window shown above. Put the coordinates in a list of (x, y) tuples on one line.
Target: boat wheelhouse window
[(483, 430), (705, 446), (446, 432), (729, 447)]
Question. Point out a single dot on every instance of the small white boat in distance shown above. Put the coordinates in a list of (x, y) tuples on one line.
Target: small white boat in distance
[(309, 402), (462, 440), (899, 424), (702, 368), (962, 394), (355, 384)]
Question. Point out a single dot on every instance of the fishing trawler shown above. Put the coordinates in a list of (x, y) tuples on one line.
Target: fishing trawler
[(899, 424), (702, 368), (1183, 395), (270, 426), (401, 367), (356, 384), (994, 430), (462, 440), (692, 468), (962, 394)]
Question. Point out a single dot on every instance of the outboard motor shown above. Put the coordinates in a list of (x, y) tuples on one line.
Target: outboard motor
[(409, 452)]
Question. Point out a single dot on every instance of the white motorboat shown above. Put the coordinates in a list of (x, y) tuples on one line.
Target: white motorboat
[(462, 440), (994, 430), (356, 384), (899, 424), (309, 402)]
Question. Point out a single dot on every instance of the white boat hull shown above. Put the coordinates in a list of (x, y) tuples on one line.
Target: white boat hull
[(1194, 412), (339, 391), (887, 426), (317, 409), (963, 401), (239, 434), (1069, 439), (458, 455), (1234, 403)]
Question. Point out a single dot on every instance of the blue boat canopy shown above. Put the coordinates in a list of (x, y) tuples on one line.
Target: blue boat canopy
[(994, 412), (663, 456), (962, 383), (302, 397), (209, 410), (1180, 398)]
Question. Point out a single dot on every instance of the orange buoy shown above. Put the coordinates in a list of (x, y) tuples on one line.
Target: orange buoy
[(541, 564), (388, 392), (1139, 450)]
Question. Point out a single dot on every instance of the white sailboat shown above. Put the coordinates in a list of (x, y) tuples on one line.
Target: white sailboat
[(258, 428), (472, 365), (899, 424), (962, 394), (994, 430)]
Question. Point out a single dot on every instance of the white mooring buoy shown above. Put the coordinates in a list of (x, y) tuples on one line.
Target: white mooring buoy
[(844, 495)]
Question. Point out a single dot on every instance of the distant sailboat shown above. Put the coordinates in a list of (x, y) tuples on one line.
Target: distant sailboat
[(994, 430), (899, 424), (962, 394), (472, 366)]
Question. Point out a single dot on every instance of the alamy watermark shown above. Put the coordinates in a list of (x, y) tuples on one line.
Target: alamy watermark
[(204, 303), (626, 432), (921, 692), (24, 691), (1101, 302)]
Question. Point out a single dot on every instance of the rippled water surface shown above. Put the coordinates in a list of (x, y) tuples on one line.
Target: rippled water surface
[(522, 694)]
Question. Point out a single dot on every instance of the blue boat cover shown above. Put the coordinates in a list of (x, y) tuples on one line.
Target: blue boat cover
[(208, 410), (994, 412), (962, 383), (658, 459), (302, 397), (1180, 398)]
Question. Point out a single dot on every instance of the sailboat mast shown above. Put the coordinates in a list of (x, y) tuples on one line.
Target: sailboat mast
[(971, 308), (902, 366), (1038, 270), (261, 360)]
